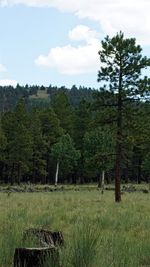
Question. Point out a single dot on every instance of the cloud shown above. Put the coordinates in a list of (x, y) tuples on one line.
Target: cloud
[(8, 82), (74, 60), (82, 32), (130, 16), (2, 68)]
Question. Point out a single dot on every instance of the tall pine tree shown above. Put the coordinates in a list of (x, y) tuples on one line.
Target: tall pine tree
[(121, 65)]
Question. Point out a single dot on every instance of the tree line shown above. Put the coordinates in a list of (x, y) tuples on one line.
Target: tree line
[(81, 139), (9, 96)]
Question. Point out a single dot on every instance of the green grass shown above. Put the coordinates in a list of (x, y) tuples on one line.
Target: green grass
[(97, 231), (41, 94)]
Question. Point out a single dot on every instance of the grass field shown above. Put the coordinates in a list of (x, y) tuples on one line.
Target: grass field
[(97, 231), (41, 94)]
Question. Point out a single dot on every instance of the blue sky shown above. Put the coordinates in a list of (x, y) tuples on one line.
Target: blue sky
[(56, 42)]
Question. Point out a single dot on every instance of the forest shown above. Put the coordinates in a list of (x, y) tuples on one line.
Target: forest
[(76, 127)]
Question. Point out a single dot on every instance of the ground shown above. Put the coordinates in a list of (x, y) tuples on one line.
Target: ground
[(98, 232)]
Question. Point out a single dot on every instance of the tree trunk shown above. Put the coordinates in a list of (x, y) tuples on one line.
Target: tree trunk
[(57, 172), (139, 171), (36, 257), (12, 174), (19, 173), (103, 181), (2, 172), (74, 177), (118, 174), (119, 141), (99, 180), (6, 173), (34, 169), (127, 174)]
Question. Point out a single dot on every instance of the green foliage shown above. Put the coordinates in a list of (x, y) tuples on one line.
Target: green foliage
[(123, 57), (99, 149), (65, 152), (38, 162), (82, 120), (64, 111), (19, 139), (51, 129)]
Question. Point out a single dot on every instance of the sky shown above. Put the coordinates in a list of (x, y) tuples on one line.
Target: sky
[(56, 42)]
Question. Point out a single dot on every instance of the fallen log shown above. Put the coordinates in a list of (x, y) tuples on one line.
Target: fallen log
[(36, 257)]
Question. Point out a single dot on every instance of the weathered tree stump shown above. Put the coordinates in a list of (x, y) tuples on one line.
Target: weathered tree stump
[(46, 238), (36, 257)]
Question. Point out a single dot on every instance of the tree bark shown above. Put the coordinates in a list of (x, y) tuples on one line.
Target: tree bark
[(36, 257), (119, 141), (118, 174)]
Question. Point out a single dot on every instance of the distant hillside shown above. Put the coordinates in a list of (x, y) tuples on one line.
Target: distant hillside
[(40, 96)]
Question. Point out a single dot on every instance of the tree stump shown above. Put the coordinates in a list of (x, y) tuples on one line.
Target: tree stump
[(45, 238), (36, 257)]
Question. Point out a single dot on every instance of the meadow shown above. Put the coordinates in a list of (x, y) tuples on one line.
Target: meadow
[(97, 231)]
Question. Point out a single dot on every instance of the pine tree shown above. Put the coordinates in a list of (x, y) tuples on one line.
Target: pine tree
[(38, 162), (121, 64), (63, 110), (19, 140)]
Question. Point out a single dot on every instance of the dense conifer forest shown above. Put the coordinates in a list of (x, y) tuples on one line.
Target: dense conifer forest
[(76, 127)]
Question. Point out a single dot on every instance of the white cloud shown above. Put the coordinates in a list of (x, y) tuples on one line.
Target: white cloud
[(2, 68), (82, 32), (8, 82), (74, 59), (130, 16), (64, 5)]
